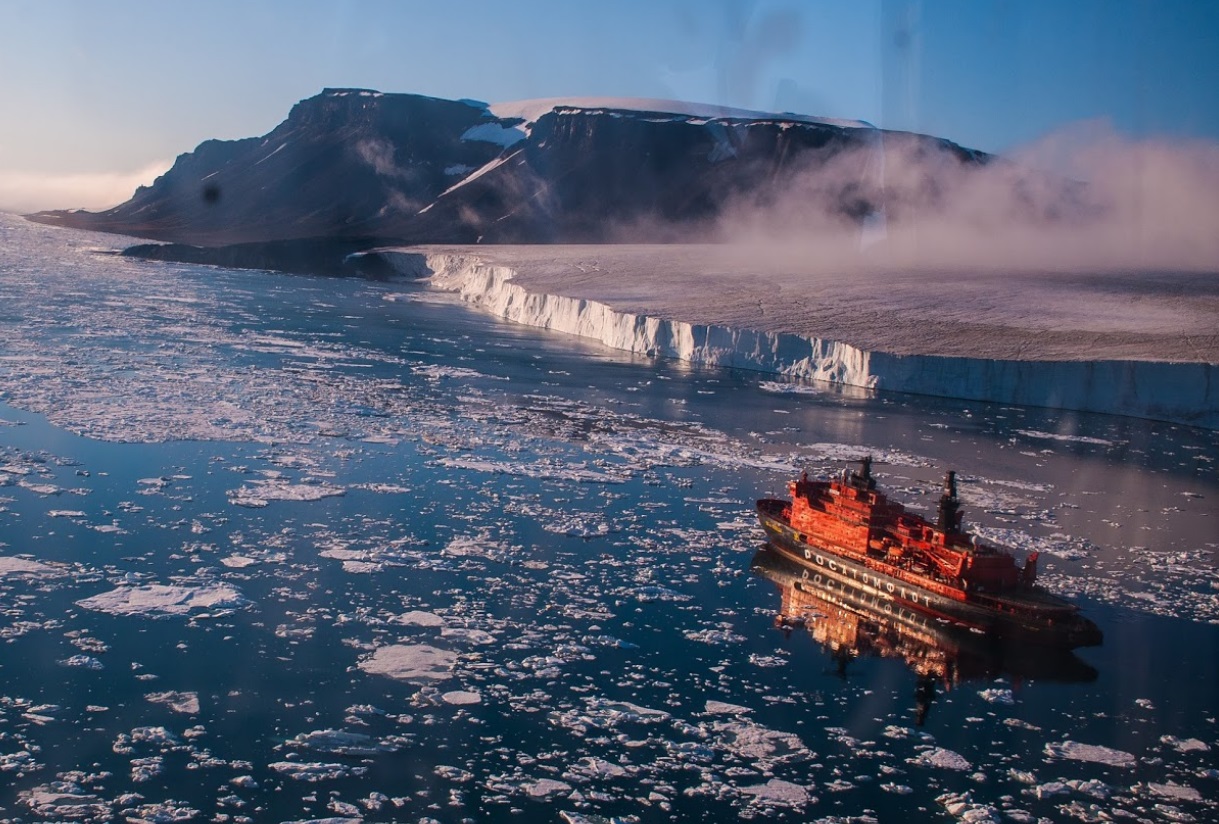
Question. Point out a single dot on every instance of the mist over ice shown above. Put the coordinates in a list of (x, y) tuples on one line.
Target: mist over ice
[(1081, 199)]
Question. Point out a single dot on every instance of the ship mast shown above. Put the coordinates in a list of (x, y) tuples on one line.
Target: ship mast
[(949, 510), (863, 478)]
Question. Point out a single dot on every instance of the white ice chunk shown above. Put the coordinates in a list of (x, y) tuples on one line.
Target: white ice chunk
[(942, 758), (1184, 744), (779, 793), (238, 561), (340, 742), (14, 567), (183, 702), (1177, 792), (314, 771), (257, 494), (997, 695), (544, 787), (724, 708), (157, 599), (418, 618), (1090, 752), (460, 697), (407, 662)]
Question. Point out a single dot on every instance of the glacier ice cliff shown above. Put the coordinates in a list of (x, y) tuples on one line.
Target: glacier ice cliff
[(1185, 393)]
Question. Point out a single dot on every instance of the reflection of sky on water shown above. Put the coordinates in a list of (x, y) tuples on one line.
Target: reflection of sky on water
[(416, 563)]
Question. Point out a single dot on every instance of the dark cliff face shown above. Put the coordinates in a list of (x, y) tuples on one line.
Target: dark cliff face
[(354, 163)]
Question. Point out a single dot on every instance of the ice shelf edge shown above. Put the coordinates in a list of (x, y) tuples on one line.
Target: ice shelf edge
[(1186, 393)]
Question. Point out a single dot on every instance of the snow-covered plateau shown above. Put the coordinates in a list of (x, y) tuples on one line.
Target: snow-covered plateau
[(1122, 343)]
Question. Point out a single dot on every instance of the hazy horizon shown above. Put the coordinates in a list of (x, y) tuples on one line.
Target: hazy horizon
[(115, 94)]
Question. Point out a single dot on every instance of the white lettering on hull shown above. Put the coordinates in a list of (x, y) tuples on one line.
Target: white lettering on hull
[(881, 585)]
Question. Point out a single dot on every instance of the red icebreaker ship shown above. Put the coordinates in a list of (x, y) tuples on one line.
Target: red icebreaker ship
[(844, 530)]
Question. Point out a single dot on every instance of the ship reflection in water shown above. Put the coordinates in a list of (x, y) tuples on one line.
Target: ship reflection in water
[(851, 623)]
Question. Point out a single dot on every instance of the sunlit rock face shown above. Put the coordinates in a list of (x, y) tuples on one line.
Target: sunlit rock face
[(351, 163), (339, 161)]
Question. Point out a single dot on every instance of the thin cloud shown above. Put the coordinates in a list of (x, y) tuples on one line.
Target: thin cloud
[(24, 192), (1079, 200)]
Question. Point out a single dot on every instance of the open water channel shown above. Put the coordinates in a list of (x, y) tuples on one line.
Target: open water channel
[(280, 548)]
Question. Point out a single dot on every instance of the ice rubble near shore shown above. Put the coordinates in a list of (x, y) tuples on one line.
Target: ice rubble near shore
[(1146, 384)]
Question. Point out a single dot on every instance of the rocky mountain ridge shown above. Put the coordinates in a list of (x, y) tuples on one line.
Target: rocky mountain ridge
[(354, 165)]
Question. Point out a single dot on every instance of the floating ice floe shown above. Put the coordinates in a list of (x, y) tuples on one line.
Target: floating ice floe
[(383, 488), (313, 771), (653, 592), (545, 471), (362, 567), (469, 635), (41, 489), (24, 568), (1177, 792), (18, 762), (580, 525), (754, 742), (158, 599), (418, 618), (838, 453), (942, 758), (1052, 436), (477, 546), (341, 742), (1058, 544), (407, 662), (183, 702), (724, 708), (437, 372), (544, 787), (602, 712), (1094, 753), (455, 774), (1184, 744), (65, 801), (461, 697), (997, 695), (146, 769), (714, 636), (257, 494), (779, 388), (963, 808), (779, 793), (82, 661)]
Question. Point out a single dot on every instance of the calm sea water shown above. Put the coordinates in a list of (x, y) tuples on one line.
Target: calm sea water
[(281, 548)]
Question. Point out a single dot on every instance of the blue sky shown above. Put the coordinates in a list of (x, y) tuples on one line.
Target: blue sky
[(106, 91)]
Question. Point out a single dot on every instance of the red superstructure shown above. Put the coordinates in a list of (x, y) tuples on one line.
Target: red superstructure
[(850, 518)]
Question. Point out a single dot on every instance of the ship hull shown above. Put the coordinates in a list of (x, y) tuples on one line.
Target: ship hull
[(1051, 626), (923, 637)]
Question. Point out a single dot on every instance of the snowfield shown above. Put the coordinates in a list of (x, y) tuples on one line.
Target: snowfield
[(531, 110), (1128, 344)]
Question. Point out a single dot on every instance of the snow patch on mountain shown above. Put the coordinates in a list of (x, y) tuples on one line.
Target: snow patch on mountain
[(496, 133), (497, 162), (531, 111)]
